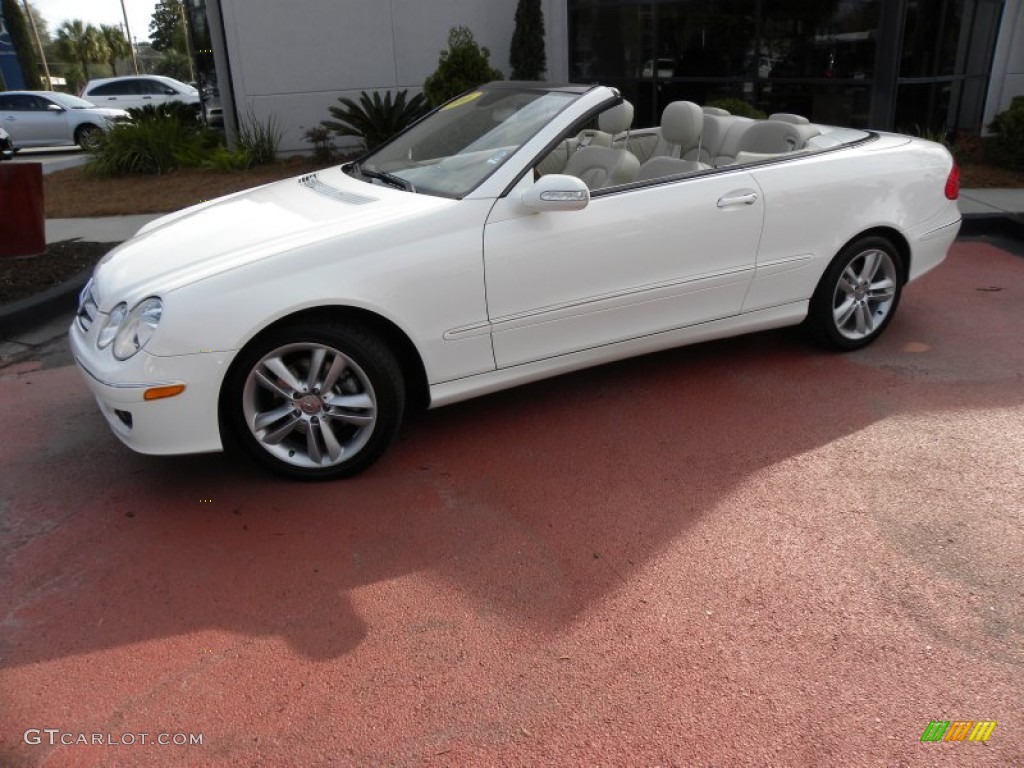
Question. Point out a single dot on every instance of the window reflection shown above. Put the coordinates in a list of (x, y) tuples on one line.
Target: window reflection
[(819, 58)]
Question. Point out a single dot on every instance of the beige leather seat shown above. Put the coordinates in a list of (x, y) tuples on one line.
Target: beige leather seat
[(682, 124), (775, 137), (606, 166), (603, 136)]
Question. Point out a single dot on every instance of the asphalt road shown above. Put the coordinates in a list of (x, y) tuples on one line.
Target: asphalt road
[(747, 552)]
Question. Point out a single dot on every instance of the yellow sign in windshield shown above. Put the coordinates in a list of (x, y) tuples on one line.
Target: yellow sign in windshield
[(463, 100)]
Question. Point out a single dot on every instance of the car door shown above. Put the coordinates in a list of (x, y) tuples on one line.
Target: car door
[(154, 92), (30, 122), (119, 94), (632, 263)]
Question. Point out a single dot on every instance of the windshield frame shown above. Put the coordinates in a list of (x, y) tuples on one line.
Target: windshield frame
[(499, 156)]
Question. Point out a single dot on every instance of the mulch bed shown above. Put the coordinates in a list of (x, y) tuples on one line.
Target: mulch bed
[(983, 176), (21, 277)]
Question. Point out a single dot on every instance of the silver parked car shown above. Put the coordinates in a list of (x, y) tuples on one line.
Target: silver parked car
[(51, 119)]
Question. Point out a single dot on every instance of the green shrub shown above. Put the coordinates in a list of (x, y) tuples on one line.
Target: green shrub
[(462, 66), (1007, 146), (526, 55), (151, 146), (323, 144), (223, 159), (257, 140), (375, 120), (186, 114), (739, 107)]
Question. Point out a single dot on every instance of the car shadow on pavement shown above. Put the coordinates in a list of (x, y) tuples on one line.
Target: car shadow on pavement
[(530, 505)]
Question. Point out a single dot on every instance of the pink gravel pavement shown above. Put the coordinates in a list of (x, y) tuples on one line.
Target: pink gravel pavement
[(748, 552)]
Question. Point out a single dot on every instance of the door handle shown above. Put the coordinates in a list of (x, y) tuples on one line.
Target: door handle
[(147, 97), (111, 98), (747, 198)]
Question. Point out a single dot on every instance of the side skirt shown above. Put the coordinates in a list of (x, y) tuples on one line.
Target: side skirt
[(449, 392)]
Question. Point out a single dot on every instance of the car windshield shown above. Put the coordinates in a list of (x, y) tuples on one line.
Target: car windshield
[(71, 102), (454, 149)]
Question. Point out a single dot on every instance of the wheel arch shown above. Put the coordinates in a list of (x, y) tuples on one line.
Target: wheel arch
[(894, 236), (417, 386)]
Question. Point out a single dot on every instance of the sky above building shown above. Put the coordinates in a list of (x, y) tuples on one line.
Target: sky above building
[(96, 12)]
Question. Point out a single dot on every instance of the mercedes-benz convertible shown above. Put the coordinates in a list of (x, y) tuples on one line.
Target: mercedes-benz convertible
[(519, 231)]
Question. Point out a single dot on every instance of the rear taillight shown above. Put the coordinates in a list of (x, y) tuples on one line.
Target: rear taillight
[(953, 183)]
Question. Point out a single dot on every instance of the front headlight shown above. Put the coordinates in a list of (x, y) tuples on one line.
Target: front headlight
[(137, 328), (112, 326)]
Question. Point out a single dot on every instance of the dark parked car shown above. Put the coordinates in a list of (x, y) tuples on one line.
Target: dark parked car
[(6, 145)]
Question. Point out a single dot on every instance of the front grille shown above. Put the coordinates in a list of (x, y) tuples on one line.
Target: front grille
[(88, 307), (310, 181)]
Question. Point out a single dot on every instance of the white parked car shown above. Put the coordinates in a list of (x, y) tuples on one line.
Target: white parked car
[(138, 91), (485, 247), (52, 119)]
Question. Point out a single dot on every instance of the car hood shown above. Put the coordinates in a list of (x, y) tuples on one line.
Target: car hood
[(274, 220)]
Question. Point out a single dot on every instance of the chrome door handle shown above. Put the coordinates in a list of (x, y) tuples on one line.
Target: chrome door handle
[(748, 199)]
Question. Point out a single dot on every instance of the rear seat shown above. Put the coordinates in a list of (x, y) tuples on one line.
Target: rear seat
[(740, 139), (726, 139)]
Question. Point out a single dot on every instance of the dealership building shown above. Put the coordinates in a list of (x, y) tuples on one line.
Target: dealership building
[(908, 65)]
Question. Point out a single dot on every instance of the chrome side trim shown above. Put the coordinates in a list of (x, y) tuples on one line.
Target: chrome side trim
[(622, 298), (939, 231)]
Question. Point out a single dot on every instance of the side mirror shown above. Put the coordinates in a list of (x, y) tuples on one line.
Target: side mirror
[(557, 192), (54, 108)]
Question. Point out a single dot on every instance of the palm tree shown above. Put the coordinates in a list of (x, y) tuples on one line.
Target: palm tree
[(116, 43), (81, 43), (376, 120)]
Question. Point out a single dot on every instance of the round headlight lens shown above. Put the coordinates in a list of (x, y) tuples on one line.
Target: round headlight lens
[(113, 324), (138, 328)]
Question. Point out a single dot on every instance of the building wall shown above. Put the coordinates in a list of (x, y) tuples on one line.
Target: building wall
[(1008, 63), (293, 60)]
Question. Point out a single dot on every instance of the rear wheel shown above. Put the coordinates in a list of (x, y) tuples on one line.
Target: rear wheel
[(316, 402), (858, 294), (87, 136)]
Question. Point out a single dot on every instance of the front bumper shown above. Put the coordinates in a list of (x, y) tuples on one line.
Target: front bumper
[(185, 423)]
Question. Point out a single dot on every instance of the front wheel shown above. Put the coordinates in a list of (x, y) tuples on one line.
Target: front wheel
[(858, 294), (315, 402), (87, 136)]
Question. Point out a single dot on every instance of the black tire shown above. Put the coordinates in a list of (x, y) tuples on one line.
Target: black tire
[(87, 134), (296, 431), (858, 295)]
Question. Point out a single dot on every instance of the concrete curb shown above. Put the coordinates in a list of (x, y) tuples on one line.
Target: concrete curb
[(36, 310), (993, 224)]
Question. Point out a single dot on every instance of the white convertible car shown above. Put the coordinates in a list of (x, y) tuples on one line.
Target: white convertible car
[(519, 231)]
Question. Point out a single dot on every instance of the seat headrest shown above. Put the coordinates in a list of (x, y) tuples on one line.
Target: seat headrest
[(788, 117), (682, 123), (716, 111), (617, 119)]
